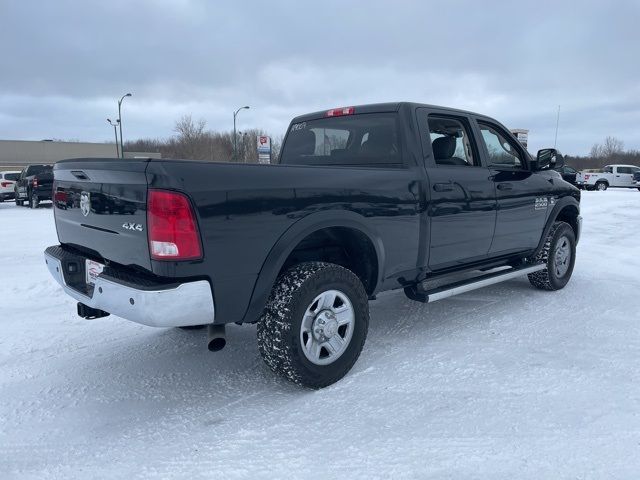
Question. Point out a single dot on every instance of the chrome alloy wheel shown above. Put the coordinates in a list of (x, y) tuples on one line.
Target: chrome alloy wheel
[(327, 327), (562, 257)]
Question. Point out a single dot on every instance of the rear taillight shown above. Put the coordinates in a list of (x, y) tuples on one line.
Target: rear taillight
[(171, 223), (5, 184), (338, 112)]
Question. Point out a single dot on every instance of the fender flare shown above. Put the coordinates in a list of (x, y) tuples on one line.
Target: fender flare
[(558, 207), (292, 237)]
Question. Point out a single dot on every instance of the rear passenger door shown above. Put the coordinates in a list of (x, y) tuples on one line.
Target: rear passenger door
[(623, 177), (462, 209), (523, 196)]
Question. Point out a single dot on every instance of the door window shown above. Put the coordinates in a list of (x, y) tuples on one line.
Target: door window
[(625, 170), (451, 142), (502, 152)]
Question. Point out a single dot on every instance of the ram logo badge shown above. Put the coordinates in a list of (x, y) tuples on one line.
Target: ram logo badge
[(132, 226)]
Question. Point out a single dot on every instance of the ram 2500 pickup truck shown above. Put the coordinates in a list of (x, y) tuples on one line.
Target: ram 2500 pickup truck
[(362, 199), (34, 185)]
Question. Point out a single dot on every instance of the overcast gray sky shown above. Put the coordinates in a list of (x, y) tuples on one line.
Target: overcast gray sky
[(65, 63)]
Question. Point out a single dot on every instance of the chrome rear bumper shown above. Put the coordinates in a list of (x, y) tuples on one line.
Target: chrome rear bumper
[(178, 305)]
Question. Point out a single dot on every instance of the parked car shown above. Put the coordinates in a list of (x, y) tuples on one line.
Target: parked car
[(568, 173), (636, 178), (362, 200), (619, 176), (34, 185), (7, 181)]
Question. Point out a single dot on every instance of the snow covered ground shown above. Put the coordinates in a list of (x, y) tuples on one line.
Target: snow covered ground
[(506, 382)]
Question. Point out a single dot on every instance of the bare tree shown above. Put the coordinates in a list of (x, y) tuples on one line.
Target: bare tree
[(189, 131), (612, 146)]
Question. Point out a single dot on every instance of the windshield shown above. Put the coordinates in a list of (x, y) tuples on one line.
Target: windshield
[(366, 139)]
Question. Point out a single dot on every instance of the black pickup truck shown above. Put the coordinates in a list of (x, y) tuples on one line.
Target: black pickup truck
[(362, 199), (34, 185)]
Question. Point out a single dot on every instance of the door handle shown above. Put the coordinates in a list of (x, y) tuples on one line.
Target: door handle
[(505, 186), (443, 187)]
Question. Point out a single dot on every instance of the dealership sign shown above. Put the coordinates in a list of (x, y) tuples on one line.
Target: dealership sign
[(264, 149)]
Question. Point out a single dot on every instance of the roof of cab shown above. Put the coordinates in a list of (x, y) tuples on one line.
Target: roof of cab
[(381, 108)]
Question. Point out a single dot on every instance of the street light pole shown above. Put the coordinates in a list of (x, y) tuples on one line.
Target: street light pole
[(235, 140), (120, 122), (115, 132)]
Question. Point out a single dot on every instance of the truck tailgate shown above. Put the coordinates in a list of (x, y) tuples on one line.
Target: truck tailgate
[(100, 208)]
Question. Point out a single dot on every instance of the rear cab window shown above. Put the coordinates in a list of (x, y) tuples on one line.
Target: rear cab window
[(11, 176), (368, 139)]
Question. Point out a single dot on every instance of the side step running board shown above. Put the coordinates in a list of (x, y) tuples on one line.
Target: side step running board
[(417, 293)]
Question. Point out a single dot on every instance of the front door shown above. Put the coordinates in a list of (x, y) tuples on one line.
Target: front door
[(524, 197), (462, 208)]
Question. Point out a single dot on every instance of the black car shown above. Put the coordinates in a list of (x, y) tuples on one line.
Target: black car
[(363, 199), (568, 173)]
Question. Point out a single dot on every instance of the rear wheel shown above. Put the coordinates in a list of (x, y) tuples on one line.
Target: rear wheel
[(19, 202), (559, 256), (602, 186), (315, 324)]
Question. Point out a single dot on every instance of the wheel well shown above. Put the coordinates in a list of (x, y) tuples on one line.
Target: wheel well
[(569, 214), (343, 246), (602, 180)]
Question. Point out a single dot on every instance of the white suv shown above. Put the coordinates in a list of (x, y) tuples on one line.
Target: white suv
[(610, 176), (7, 181)]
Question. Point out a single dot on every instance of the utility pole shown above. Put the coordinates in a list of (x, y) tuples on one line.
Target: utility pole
[(557, 124), (120, 122), (115, 132)]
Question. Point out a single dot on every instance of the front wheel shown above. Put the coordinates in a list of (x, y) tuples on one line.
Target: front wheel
[(559, 256), (315, 324)]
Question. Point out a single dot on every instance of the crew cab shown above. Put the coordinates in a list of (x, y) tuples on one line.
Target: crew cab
[(431, 200), (7, 181), (620, 176), (34, 185)]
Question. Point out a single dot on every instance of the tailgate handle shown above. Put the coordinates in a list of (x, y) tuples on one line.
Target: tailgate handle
[(79, 174)]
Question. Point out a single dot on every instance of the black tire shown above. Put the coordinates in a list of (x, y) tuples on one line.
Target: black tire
[(192, 327), (280, 327), (19, 203), (548, 279), (602, 186)]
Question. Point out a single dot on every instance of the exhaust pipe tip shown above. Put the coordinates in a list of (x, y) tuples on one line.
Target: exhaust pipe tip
[(216, 337)]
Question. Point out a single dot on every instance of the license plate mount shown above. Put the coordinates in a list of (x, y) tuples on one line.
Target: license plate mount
[(92, 270)]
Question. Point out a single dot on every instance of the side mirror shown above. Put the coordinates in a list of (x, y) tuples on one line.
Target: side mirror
[(548, 158)]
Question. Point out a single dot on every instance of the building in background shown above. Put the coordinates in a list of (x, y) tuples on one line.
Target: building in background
[(16, 154), (522, 135)]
